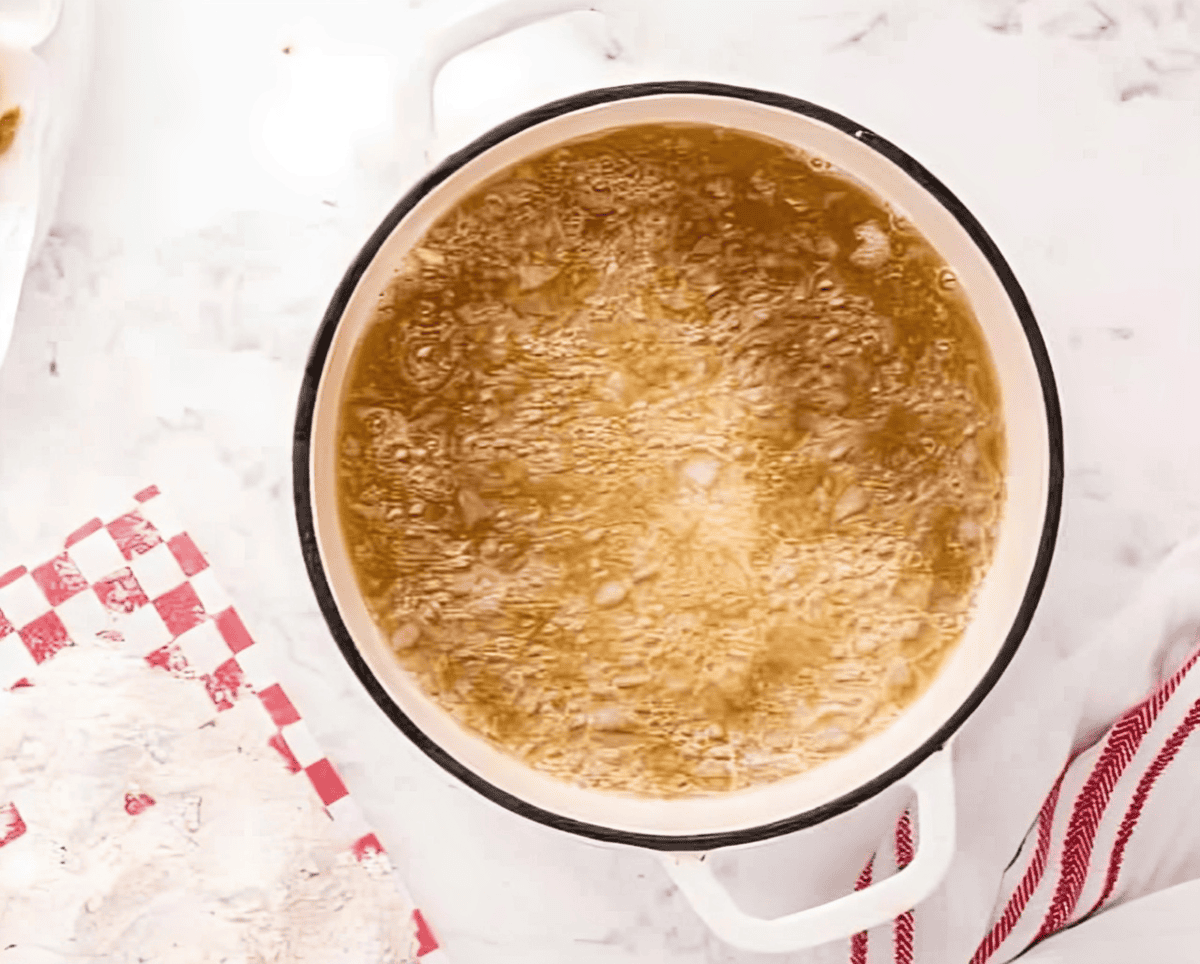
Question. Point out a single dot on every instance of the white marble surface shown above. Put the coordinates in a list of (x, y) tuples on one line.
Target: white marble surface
[(220, 185)]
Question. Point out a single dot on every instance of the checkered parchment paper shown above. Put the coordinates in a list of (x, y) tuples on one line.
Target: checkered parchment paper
[(142, 579)]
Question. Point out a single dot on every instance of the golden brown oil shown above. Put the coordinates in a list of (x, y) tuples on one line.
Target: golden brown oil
[(10, 120), (672, 461)]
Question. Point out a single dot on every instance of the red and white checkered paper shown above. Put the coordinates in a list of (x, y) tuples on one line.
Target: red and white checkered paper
[(139, 579)]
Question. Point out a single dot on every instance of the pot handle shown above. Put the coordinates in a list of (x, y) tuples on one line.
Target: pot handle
[(477, 24), (933, 782)]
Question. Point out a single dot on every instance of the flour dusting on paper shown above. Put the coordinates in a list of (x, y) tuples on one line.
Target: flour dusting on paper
[(160, 832)]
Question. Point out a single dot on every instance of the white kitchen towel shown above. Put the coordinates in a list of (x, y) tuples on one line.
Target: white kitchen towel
[(1076, 798), (1159, 927)]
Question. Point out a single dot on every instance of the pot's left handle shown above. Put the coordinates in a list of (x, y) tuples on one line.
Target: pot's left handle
[(477, 24), (933, 782)]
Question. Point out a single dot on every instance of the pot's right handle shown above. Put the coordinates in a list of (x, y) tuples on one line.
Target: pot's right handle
[(933, 782), (477, 24)]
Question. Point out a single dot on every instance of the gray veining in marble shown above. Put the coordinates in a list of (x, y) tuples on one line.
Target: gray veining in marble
[(165, 325)]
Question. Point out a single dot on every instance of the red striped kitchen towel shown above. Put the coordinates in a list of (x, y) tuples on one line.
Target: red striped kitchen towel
[(141, 578), (1069, 807)]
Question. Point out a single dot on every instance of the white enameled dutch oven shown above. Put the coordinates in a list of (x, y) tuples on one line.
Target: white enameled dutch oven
[(913, 750)]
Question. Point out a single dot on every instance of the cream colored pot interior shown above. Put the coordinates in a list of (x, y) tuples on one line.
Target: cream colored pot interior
[(1000, 596)]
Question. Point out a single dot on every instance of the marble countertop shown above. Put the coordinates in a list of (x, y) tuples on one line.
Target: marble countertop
[(233, 156)]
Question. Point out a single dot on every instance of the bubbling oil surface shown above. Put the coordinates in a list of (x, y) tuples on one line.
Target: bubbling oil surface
[(672, 461)]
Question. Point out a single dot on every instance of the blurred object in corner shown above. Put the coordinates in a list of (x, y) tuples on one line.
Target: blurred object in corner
[(45, 57)]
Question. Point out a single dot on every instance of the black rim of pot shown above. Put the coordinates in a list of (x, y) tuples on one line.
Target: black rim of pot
[(301, 466)]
